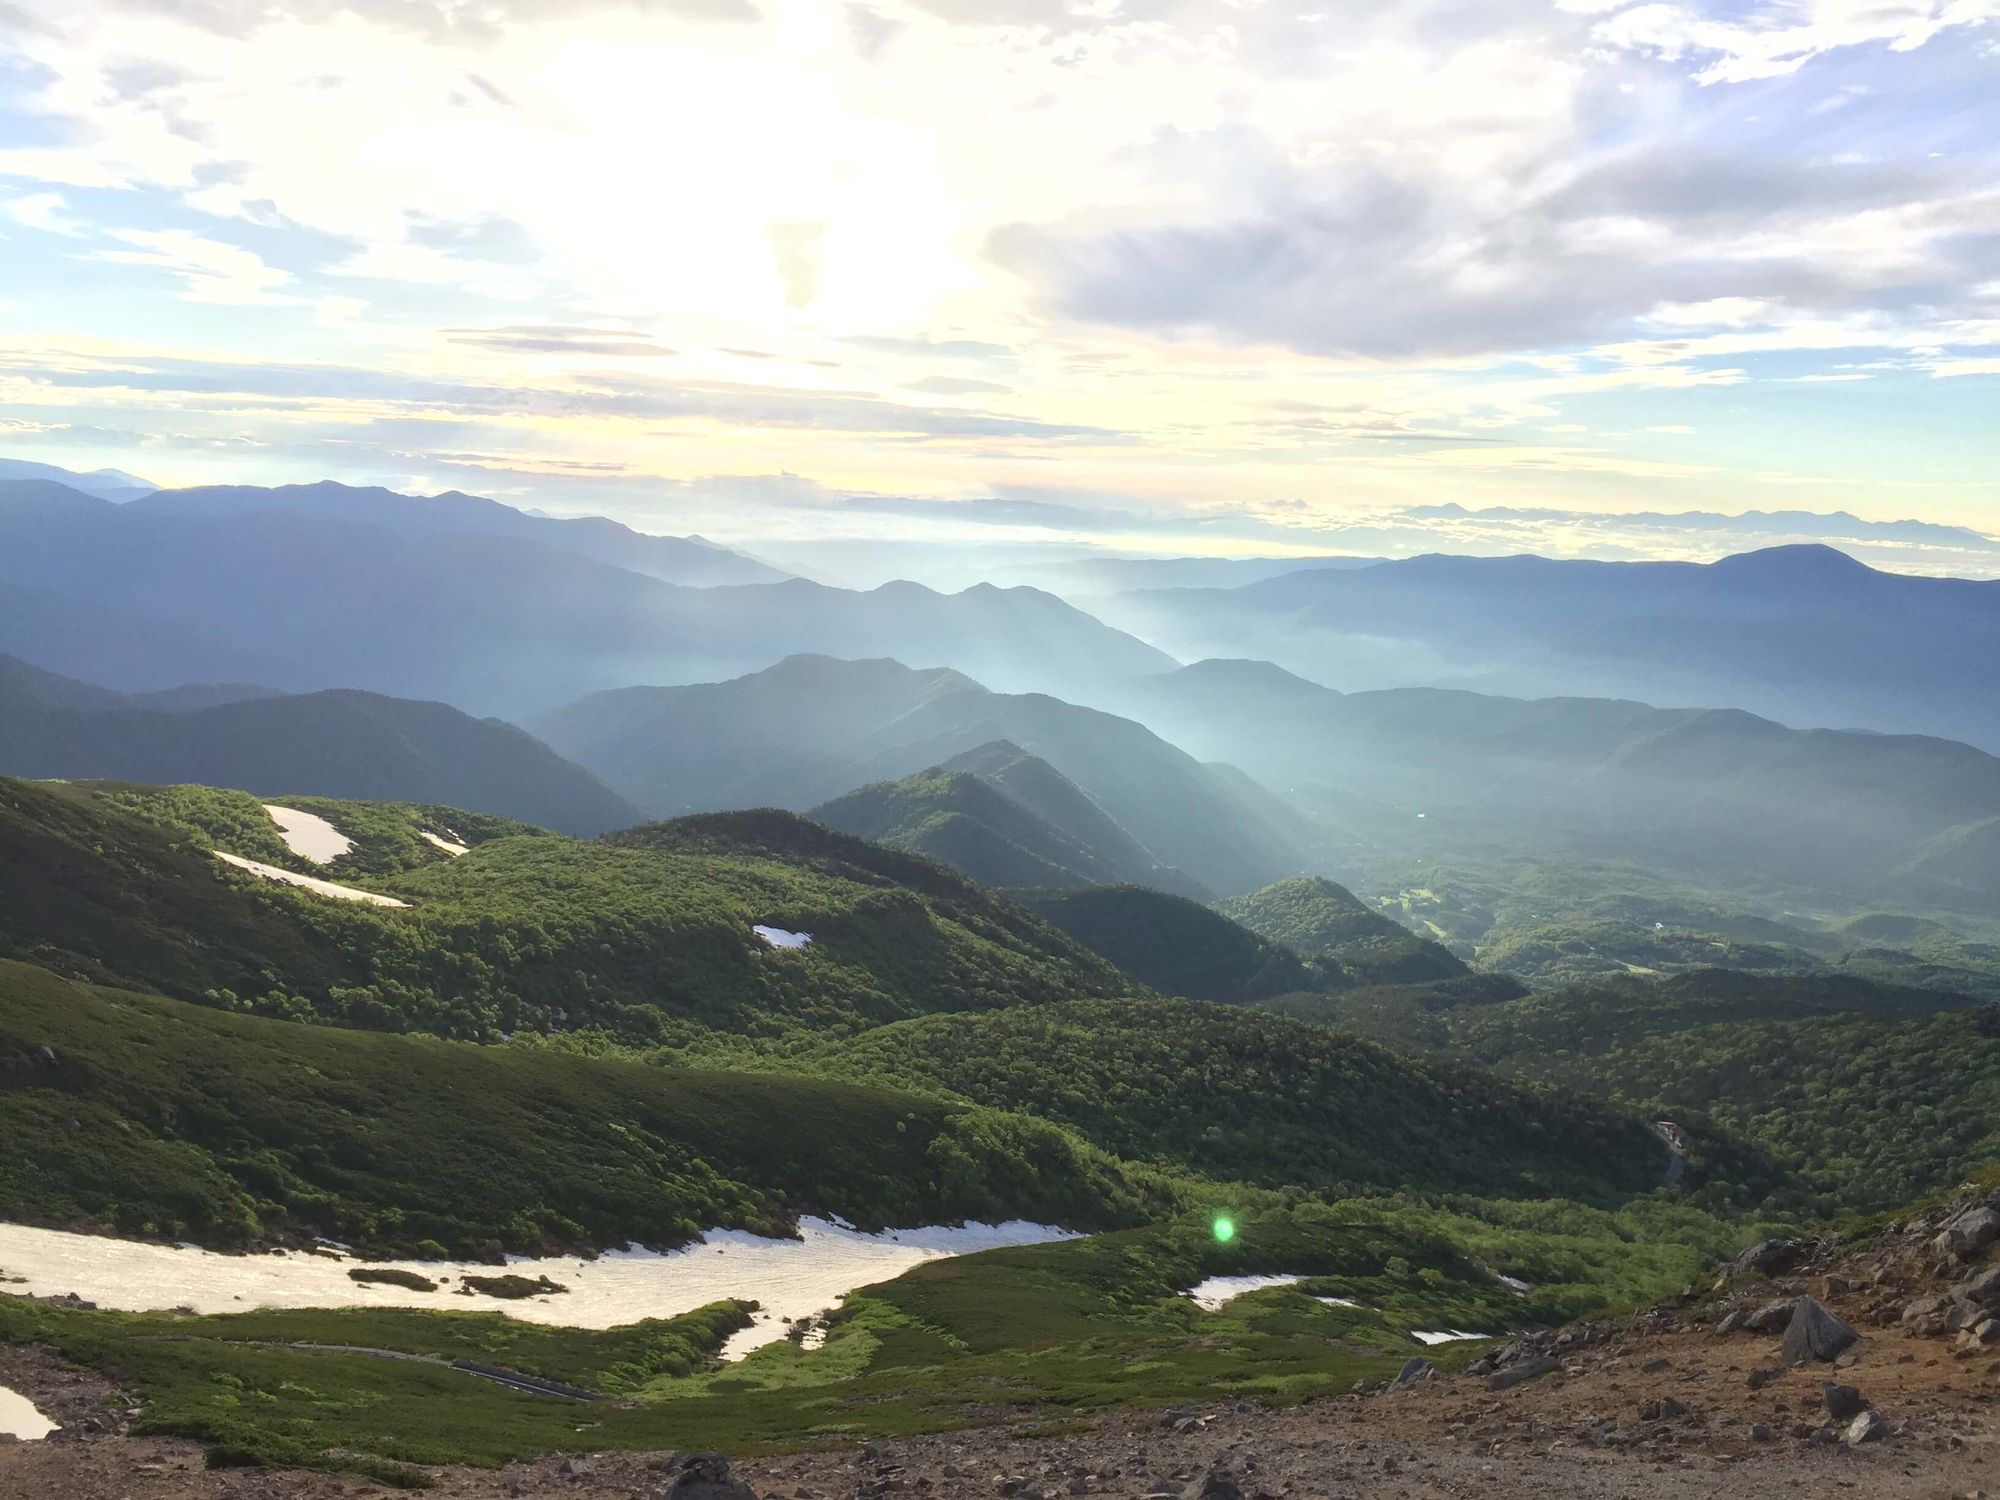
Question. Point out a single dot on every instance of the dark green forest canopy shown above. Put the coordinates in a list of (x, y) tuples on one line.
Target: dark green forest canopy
[(1329, 924), (1237, 1094), (164, 1119)]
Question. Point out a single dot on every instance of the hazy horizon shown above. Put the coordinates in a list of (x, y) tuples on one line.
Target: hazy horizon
[(1229, 281)]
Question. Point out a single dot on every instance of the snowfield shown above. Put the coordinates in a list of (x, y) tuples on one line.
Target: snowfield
[(791, 1278), (307, 882), (19, 1419), (308, 835)]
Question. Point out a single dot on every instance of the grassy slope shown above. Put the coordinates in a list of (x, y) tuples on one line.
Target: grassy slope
[(1840, 1084), (1238, 1094), (164, 1118), (647, 934), (1328, 923), (1173, 944)]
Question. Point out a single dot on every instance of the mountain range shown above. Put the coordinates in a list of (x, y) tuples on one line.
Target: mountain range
[(1802, 634), (813, 728), (339, 743), (465, 601), (1720, 796)]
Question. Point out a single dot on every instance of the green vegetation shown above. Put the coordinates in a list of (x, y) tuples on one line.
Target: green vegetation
[(1330, 925), (646, 935), (1172, 944), (1237, 1094), (1824, 1092), (164, 1119)]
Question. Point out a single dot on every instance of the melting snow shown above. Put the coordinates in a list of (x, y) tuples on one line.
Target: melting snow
[(18, 1417), (451, 847), (1448, 1336), (308, 835), (307, 882), (1217, 1290), (777, 937), (792, 1279)]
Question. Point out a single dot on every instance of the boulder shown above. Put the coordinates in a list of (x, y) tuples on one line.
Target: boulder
[(1982, 1290), (1815, 1333), (1415, 1372), (1521, 1372), (1981, 1335), (1843, 1401), (1969, 1233), (1768, 1258), (704, 1476), (1772, 1317), (1866, 1428), (1215, 1486)]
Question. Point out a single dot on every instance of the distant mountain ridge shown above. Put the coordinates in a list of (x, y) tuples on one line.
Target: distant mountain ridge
[(338, 743), (1005, 818), (264, 586), (1803, 634), (1426, 772), (813, 728), (104, 484), (691, 561)]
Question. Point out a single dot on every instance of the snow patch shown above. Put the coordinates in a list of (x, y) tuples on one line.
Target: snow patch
[(791, 1279), (450, 846), (19, 1419), (1448, 1336), (777, 937), (308, 835), (1211, 1294), (307, 882)]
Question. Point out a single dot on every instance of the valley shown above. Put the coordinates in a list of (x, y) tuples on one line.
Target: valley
[(757, 1048)]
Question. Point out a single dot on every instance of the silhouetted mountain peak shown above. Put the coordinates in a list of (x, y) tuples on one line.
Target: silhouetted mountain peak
[(1802, 562)]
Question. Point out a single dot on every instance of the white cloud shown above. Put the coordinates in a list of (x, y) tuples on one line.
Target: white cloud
[(210, 270), (44, 211)]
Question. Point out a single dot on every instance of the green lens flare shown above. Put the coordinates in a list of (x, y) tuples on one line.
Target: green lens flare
[(1225, 1227)]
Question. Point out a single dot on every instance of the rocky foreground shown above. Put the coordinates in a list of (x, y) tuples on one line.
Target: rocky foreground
[(1806, 1368)]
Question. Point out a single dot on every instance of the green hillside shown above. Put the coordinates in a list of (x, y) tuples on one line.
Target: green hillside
[(163, 1119), (1174, 945), (1239, 1094), (1005, 818), (1331, 925), (647, 935)]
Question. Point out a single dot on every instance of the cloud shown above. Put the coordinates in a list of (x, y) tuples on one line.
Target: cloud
[(543, 338), (44, 211), (210, 270)]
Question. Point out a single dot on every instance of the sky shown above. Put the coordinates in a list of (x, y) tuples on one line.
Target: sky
[(1204, 276)]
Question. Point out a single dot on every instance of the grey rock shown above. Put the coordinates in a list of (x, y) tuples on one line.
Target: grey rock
[(1733, 1322), (1815, 1333), (1982, 1290), (704, 1476), (1759, 1433), (1415, 1371), (1969, 1233), (1843, 1401), (1215, 1486), (1521, 1372), (1866, 1428), (1771, 1317), (1768, 1257)]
